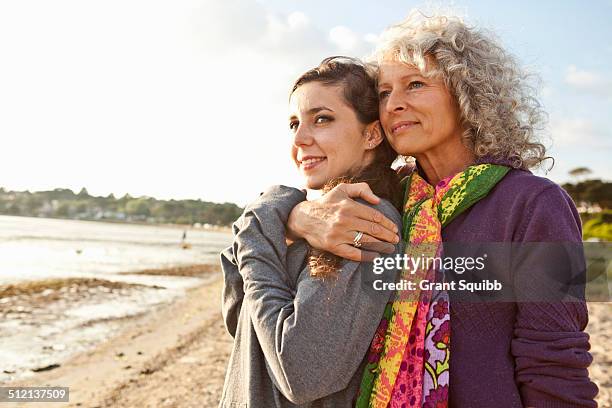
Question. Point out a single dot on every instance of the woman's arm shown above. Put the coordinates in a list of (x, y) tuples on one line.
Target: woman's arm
[(314, 336), (233, 294), (550, 346), (329, 223), (323, 223)]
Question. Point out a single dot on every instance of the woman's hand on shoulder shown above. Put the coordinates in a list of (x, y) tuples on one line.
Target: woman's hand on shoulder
[(331, 223)]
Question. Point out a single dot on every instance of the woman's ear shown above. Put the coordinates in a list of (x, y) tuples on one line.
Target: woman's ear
[(373, 135)]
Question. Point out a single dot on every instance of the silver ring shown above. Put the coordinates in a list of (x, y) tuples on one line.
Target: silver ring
[(357, 240)]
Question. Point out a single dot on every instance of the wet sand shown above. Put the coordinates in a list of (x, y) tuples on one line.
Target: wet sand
[(177, 355), (172, 357), (190, 270), (45, 322)]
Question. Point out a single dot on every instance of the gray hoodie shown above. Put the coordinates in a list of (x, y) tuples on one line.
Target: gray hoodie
[(299, 341)]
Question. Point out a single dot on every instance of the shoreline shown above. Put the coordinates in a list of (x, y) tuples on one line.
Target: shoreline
[(188, 227), (43, 323), (176, 356)]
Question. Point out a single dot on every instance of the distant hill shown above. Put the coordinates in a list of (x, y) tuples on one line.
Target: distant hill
[(64, 203)]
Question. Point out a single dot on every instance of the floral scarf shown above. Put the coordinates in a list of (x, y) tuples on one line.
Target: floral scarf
[(408, 360)]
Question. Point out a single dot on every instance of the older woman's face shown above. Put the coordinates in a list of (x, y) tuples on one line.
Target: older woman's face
[(418, 114)]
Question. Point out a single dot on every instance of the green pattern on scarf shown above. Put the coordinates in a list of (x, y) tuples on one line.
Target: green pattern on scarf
[(467, 188)]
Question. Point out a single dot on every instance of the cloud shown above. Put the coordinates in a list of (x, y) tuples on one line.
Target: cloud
[(291, 37), (166, 99), (344, 38), (578, 141), (298, 20), (588, 81), (579, 132), (352, 43)]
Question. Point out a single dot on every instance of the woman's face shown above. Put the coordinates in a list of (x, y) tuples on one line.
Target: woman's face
[(418, 114), (328, 138)]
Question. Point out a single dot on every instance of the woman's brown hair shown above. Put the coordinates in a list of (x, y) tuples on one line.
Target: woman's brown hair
[(359, 91)]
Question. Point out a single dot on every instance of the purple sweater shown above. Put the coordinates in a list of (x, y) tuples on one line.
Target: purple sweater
[(525, 353)]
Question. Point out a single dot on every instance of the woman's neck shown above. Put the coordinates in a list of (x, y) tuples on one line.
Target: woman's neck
[(444, 161)]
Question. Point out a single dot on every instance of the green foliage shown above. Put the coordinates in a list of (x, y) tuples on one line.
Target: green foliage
[(63, 210), (580, 171), (591, 191), (83, 193), (599, 227), (139, 206), (64, 203)]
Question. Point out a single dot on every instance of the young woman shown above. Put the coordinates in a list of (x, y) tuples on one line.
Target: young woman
[(302, 320), (452, 98)]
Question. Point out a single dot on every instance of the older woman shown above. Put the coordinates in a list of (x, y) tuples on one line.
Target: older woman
[(454, 100)]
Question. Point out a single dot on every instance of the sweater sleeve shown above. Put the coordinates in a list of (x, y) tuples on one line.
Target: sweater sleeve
[(233, 294), (550, 346), (315, 333)]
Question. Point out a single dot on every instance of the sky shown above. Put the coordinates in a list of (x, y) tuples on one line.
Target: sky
[(188, 99)]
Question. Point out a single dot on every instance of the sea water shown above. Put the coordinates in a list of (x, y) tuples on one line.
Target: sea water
[(41, 248), (34, 249)]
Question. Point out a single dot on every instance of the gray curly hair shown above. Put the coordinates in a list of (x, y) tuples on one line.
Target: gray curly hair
[(498, 105)]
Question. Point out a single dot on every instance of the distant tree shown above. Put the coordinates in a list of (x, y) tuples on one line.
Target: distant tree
[(138, 206), (63, 210), (83, 193), (570, 189), (579, 172), (60, 194), (67, 204), (599, 192), (32, 204), (13, 209), (591, 191), (81, 207)]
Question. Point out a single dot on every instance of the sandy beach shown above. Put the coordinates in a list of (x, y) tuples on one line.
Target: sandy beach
[(173, 356), (176, 357)]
